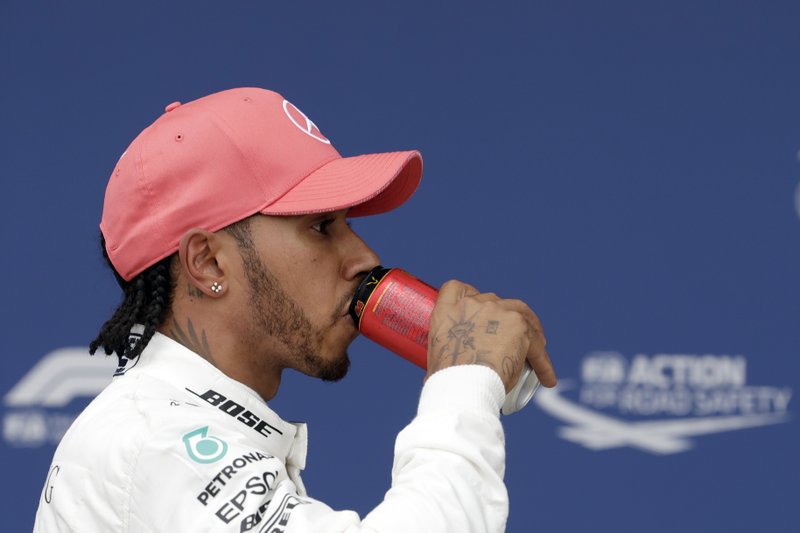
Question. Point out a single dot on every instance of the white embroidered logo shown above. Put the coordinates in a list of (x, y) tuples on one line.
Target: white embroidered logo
[(658, 403), (303, 123)]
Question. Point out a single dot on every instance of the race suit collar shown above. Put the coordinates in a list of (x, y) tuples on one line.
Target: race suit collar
[(204, 384)]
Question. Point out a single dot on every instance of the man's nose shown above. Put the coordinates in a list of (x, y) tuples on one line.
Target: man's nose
[(360, 258)]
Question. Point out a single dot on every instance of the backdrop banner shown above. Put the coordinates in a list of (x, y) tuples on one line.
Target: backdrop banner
[(630, 170)]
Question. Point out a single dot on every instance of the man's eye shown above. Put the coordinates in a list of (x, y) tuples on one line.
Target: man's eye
[(322, 226)]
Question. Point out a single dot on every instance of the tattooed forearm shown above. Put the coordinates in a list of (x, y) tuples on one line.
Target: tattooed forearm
[(459, 342), (471, 328), (460, 336), (482, 357), (507, 366), (198, 345), (464, 344)]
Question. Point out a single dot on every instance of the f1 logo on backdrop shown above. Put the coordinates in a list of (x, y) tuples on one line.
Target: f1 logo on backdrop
[(36, 410), (658, 403)]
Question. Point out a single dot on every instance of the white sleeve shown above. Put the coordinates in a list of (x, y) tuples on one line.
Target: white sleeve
[(447, 476), (449, 462), (448, 465)]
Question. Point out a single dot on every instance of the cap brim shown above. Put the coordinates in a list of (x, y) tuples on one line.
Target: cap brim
[(367, 184)]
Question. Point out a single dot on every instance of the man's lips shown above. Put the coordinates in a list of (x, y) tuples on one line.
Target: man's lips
[(351, 296), (347, 301), (347, 318)]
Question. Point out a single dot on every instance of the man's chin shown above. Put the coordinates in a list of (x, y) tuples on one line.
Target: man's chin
[(334, 370)]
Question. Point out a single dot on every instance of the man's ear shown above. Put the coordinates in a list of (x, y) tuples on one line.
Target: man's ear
[(199, 254)]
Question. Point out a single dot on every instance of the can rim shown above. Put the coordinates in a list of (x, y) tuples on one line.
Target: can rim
[(360, 289)]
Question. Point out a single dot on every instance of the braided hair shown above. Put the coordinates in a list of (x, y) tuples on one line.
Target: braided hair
[(147, 299)]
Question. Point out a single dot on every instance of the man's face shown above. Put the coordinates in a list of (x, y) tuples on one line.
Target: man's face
[(301, 274)]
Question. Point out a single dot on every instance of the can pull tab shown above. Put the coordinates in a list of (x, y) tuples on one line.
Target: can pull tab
[(522, 392)]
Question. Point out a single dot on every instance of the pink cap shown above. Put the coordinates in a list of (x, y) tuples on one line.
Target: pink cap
[(224, 157)]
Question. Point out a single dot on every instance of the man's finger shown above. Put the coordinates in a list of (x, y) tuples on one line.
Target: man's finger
[(541, 365), (485, 297), (522, 307), (452, 291)]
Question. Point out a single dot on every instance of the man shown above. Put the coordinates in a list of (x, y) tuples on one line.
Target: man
[(225, 224)]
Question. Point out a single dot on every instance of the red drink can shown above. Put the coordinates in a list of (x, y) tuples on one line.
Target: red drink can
[(393, 308)]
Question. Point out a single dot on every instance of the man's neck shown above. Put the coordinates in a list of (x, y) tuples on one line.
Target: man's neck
[(224, 349)]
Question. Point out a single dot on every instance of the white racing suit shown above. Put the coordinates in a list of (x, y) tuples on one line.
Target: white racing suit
[(174, 445)]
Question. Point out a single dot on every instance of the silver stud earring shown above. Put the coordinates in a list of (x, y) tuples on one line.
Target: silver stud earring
[(216, 287)]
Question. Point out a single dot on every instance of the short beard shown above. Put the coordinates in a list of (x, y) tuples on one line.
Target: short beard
[(279, 316)]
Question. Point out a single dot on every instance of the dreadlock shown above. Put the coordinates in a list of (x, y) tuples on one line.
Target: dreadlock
[(147, 299)]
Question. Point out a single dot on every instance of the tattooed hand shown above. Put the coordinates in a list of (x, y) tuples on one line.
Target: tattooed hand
[(468, 327)]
